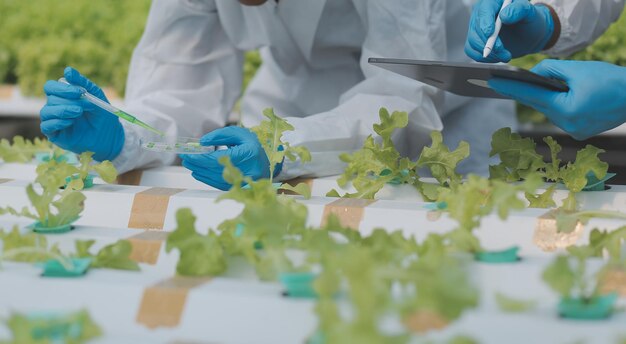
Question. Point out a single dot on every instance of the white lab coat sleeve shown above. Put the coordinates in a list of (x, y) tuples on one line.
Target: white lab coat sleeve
[(185, 76), (582, 22), (401, 29)]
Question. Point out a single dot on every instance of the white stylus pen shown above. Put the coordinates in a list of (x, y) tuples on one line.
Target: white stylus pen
[(492, 40)]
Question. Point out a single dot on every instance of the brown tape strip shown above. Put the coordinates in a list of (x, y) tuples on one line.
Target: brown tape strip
[(547, 236), (162, 305), (146, 246), (5, 180), (130, 178), (6, 91), (424, 321), (149, 208), (614, 280), (349, 211)]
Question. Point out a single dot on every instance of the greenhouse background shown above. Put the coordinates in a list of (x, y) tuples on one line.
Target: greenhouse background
[(38, 38)]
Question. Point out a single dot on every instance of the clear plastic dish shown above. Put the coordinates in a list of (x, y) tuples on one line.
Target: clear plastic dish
[(177, 145)]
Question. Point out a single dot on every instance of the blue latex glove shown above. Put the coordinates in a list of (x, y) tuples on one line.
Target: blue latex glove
[(526, 29), (77, 125), (245, 152), (595, 103)]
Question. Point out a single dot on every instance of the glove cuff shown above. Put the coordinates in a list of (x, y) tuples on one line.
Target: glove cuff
[(553, 25)]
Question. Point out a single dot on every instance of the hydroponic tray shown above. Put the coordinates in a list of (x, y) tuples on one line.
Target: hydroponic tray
[(141, 207), (156, 306), (178, 177)]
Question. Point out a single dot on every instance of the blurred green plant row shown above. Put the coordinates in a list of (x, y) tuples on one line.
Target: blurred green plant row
[(611, 47), (38, 38)]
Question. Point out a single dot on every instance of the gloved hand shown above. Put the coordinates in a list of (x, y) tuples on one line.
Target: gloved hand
[(245, 152), (595, 103), (526, 29), (77, 125)]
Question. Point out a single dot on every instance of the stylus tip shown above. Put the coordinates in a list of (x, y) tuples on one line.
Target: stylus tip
[(486, 53)]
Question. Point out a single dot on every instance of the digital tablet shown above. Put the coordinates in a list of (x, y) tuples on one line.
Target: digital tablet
[(465, 79)]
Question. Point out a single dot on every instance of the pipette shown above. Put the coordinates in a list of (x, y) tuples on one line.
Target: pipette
[(112, 109)]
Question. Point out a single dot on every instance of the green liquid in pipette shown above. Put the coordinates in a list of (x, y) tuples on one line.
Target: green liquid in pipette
[(130, 118)]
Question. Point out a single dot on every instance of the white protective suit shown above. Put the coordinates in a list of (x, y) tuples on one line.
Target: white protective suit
[(582, 22), (186, 72)]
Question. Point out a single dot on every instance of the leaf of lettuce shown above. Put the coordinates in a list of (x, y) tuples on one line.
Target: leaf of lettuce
[(113, 256), (517, 155), (15, 239), (76, 328), (270, 132), (544, 200), (200, 255), (106, 171), (441, 161), (378, 161), (22, 150), (560, 276), (68, 208), (574, 175), (553, 169), (302, 189)]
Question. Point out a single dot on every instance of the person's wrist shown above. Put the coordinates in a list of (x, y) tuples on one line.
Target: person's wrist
[(553, 25)]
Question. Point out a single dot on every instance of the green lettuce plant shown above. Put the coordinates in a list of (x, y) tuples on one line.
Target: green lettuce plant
[(567, 274), (269, 133), (378, 162), (86, 165), (28, 247), (72, 328), (51, 206), (32, 247), (55, 201), (23, 150), (519, 159)]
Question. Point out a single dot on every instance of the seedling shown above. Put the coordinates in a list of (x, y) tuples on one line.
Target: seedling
[(59, 204), (567, 221), (270, 133), (611, 242), (113, 256), (478, 197), (519, 159), (442, 162), (580, 299), (81, 177), (75, 328), (378, 162), (33, 248), (29, 247), (23, 150), (54, 209)]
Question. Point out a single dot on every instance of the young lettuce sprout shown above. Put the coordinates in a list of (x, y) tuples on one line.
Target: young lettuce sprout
[(29, 247), (270, 133), (53, 207), (23, 150), (379, 163)]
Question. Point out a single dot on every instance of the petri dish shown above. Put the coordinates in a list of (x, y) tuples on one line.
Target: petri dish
[(177, 145)]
